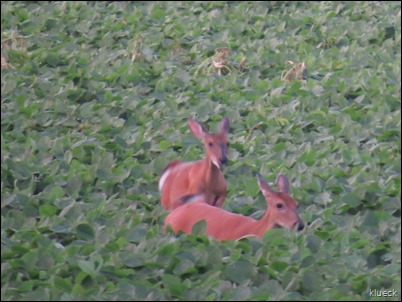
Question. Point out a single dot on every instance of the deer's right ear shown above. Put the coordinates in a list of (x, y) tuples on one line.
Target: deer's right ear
[(197, 129), (283, 184), (264, 187)]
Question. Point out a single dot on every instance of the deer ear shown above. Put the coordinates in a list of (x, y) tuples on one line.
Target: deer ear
[(197, 129), (283, 184), (225, 125), (264, 187)]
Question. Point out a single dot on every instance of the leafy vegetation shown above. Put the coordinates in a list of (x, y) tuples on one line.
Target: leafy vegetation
[(95, 99)]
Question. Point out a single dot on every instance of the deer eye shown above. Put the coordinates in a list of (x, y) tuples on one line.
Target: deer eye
[(279, 205), (210, 144)]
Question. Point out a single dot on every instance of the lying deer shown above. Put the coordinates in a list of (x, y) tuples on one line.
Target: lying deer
[(224, 225)]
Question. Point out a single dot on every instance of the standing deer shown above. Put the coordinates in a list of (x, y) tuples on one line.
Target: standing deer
[(198, 177)]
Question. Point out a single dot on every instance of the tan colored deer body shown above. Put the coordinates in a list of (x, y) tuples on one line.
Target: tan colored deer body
[(198, 177), (224, 225)]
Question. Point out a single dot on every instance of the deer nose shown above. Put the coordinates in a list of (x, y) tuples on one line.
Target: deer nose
[(300, 226), (224, 160)]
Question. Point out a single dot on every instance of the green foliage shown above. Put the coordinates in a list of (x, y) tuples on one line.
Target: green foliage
[(95, 98)]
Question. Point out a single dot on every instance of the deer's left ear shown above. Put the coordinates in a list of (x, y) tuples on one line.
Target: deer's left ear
[(283, 184), (225, 125)]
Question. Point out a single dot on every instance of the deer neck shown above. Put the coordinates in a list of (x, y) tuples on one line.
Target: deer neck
[(211, 173), (265, 223)]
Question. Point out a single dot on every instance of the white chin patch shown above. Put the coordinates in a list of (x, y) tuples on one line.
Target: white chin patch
[(217, 164)]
